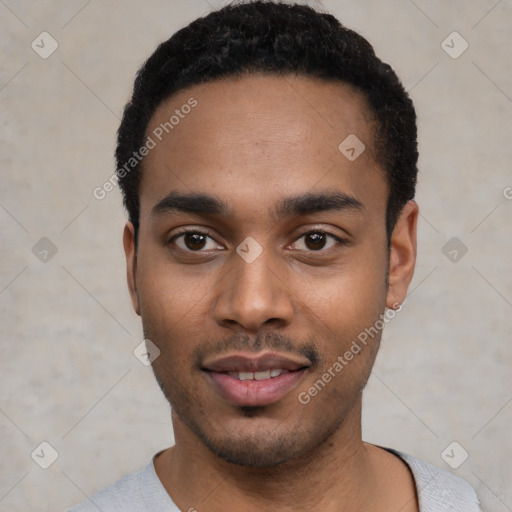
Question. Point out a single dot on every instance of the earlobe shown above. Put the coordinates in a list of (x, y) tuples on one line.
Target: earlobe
[(131, 264), (402, 258)]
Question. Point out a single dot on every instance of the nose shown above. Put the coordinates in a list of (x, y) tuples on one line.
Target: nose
[(254, 295)]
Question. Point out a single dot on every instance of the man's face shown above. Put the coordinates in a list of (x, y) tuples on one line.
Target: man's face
[(272, 282)]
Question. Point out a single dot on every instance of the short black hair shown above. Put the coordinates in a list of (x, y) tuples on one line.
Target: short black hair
[(275, 38)]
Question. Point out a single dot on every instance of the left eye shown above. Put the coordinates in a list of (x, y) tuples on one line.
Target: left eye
[(318, 240)]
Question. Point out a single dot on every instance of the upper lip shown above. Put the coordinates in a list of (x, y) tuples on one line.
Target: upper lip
[(254, 362)]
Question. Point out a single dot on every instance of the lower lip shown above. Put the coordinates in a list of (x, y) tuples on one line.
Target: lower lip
[(255, 392)]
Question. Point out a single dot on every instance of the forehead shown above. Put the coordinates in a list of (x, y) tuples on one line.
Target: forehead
[(255, 137)]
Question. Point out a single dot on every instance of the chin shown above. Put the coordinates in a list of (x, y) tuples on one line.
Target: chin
[(258, 443), (252, 453)]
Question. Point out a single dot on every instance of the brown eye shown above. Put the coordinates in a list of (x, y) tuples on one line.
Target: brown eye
[(317, 241), (193, 241)]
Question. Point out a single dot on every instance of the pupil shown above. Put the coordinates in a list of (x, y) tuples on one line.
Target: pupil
[(318, 241), (194, 241)]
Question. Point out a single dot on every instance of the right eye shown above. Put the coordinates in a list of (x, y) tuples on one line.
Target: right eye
[(193, 241)]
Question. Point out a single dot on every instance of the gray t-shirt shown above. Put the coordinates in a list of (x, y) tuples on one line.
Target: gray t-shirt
[(438, 491)]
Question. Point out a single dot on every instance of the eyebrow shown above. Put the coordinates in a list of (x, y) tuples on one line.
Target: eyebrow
[(302, 204)]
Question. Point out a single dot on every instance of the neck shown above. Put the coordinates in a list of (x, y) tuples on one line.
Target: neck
[(337, 475)]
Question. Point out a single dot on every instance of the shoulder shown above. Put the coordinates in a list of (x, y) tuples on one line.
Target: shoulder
[(439, 490), (123, 496)]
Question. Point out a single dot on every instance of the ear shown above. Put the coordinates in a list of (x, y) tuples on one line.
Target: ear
[(402, 258), (131, 263)]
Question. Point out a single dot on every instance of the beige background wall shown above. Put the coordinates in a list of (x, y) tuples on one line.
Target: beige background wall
[(68, 375)]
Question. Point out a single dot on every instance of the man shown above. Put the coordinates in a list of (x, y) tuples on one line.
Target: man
[(268, 164)]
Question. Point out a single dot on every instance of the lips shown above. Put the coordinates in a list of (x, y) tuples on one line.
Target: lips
[(248, 362), (247, 379)]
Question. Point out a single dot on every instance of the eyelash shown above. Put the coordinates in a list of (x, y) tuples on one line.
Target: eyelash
[(339, 240)]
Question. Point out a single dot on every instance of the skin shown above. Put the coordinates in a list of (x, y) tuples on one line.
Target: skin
[(251, 142)]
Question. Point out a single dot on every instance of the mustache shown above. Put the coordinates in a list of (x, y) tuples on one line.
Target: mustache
[(270, 340)]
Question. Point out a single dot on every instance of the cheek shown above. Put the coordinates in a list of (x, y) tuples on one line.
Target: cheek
[(173, 306), (347, 303), (174, 288), (352, 293)]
